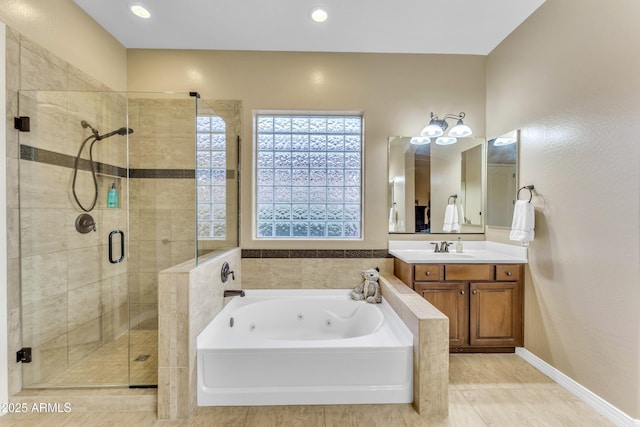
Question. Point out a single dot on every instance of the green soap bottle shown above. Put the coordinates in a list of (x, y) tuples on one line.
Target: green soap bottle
[(112, 197)]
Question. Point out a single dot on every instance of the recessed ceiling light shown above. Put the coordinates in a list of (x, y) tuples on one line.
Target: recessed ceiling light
[(140, 11), (319, 15)]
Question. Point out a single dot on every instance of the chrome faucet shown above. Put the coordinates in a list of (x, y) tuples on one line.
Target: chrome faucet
[(444, 246), (437, 248)]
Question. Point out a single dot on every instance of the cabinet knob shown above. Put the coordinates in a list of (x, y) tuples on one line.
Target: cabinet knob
[(461, 292), (428, 273), (474, 292), (508, 273)]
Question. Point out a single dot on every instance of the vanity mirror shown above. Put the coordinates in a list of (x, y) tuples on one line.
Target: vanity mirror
[(424, 176), (502, 178)]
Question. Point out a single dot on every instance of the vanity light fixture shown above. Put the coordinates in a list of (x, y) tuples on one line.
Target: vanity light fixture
[(419, 140), (318, 14), (436, 128), (140, 11)]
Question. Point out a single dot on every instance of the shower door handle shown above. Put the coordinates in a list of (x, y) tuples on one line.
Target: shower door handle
[(121, 233)]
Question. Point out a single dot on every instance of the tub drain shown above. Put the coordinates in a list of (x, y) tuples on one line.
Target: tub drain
[(300, 316), (329, 322)]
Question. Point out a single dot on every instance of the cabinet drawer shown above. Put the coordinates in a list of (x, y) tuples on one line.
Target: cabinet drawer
[(468, 272), (508, 272), (426, 273)]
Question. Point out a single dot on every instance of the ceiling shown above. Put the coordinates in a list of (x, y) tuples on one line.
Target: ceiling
[(400, 26)]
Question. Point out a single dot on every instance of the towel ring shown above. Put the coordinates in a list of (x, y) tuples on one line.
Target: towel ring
[(526, 187), (454, 197)]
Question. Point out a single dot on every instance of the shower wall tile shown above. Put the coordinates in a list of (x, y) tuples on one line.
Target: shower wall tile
[(47, 186), (108, 269), (14, 343), (114, 292), (36, 63), (154, 256), (44, 320), (12, 62), (43, 231), (50, 121), (114, 323), (83, 267), (182, 251), (183, 225), (144, 316), (12, 134), (13, 195), (134, 288), (83, 306), (155, 224), (13, 238), (148, 288), (83, 340), (13, 284), (44, 276), (166, 193), (294, 273), (162, 153)]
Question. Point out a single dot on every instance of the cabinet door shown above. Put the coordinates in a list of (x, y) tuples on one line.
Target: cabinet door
[(452, 300), (495, 314)]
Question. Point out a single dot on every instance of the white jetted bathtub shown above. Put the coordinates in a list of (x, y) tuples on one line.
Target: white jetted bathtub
[(289, 347)]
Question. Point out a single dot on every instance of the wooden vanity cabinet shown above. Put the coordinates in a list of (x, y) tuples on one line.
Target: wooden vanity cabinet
[(484, 302)]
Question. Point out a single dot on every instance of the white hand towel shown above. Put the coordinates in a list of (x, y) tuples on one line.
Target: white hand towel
[(523, 222), (451, 219), (393, 218)]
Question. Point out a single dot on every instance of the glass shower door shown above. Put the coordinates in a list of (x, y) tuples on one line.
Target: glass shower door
[(74, 301)]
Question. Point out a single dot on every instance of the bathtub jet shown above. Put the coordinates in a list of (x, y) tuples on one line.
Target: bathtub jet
[(302, 347)]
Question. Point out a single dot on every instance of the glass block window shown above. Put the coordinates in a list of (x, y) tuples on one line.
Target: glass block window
[(308, 177), (211, 177)]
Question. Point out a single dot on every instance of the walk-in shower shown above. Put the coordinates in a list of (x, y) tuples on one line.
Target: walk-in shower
[(89, 269)]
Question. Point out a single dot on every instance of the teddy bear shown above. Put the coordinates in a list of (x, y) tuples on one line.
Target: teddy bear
[(369, 289)]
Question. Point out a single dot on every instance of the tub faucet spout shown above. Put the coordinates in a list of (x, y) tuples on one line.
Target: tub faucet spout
[(233, 292)]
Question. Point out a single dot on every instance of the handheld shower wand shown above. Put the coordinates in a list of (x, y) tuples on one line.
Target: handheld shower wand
[(95, 136)]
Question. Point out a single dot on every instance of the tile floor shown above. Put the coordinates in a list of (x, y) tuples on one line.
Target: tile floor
[(109, 365), (485, 390)]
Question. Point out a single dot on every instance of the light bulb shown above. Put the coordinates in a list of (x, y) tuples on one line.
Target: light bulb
[(140, 11), (319, 15)]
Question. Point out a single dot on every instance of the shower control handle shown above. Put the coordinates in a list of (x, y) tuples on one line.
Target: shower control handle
[(226, 272), (111, 259)]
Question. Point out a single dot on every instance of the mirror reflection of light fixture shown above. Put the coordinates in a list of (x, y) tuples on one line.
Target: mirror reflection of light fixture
[(419, 140), (436, 128), (504, 141), (446, 140)]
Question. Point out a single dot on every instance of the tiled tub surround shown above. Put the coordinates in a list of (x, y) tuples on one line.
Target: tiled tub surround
[(189, 297), (430, 329), (310, 268)]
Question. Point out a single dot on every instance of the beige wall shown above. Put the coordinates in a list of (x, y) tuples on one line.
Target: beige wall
[(68, 32), (395, 92), (573, 70)]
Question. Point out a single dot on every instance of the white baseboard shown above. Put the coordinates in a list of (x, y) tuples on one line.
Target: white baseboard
[(604, 408)]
